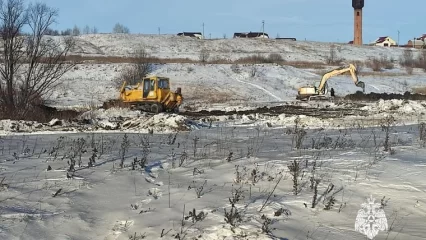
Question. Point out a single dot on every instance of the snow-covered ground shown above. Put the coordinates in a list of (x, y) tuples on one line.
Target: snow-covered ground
[(170, 46), (203, 171), (202, 163)]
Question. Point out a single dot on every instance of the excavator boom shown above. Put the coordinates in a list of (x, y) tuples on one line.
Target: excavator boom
[(307, 92), (351, 68)]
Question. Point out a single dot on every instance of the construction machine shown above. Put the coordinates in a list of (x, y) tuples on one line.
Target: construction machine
[(320, 90), (152, 94)]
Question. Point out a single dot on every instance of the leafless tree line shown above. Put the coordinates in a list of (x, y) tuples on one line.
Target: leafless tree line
[(31, 63)]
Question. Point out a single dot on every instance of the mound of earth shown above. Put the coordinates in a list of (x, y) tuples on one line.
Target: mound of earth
[(360, 96)]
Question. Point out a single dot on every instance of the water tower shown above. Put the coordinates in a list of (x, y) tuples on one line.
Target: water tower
[(357, 5)]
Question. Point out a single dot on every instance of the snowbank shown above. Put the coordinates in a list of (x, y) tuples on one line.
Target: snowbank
[(101, 121)]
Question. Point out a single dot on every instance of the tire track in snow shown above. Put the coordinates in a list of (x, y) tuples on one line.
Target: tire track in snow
[(255, 85), (373, 86), (261, 88)]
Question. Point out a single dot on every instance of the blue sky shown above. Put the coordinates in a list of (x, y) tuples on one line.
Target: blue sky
[(328, 20)]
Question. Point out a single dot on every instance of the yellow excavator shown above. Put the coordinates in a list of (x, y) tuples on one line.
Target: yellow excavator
[(152, 94), (321, 89)]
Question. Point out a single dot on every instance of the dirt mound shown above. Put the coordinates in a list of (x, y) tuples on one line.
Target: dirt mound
[(284, 109), (359, 96)]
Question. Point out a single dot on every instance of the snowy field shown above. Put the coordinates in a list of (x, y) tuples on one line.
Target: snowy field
[(285, 184), (83, 178)]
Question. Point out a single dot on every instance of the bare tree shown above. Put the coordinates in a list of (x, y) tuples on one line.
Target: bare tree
[(76, 31), (204, 55), (31, 64), (119, 28), (86, 29), (67, 32), (94, 30), (140, 67)]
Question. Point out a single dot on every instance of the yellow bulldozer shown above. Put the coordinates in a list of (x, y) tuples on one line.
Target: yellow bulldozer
[(320, 90), (152, 94)]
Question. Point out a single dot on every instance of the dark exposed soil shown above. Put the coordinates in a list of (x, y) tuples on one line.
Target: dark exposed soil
[(43, 114), (284, 109), (352, 107), (359, 96)]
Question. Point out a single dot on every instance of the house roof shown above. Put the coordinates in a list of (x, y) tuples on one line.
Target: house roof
[(423, 37), (381, 39)]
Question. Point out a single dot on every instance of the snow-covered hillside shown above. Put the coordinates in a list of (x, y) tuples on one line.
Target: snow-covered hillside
[(91, 84), (210, 85), (170, 46)]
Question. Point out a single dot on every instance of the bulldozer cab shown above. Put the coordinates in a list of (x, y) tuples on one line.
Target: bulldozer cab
[(155, 87)]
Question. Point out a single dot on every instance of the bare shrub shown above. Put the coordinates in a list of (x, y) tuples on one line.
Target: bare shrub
[(204, 56), (377, 64), (124, 148), (295, 171), (253, 70), (299, 133), (31, 64), (421, 60), (387, 62), (120, 28), (196, 217), (332, 58), (409, 70), (189, 69), (387, 126), (316, 183), (236, 68), (199, 190), (275, 58), (422, 133), (254, 59), (407, 58), (234, 215), (140, 67)]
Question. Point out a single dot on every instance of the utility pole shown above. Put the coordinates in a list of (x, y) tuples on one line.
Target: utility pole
[(203, 30), (159, 32), (263, 28), (398, 38)]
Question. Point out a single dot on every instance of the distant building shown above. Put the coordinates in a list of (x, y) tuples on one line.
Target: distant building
[(251, 35), (191, 34), (417, 42), (290, 39), (384, 42)]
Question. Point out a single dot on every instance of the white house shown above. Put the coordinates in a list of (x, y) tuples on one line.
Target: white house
[(418, 42), (384, 42)]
